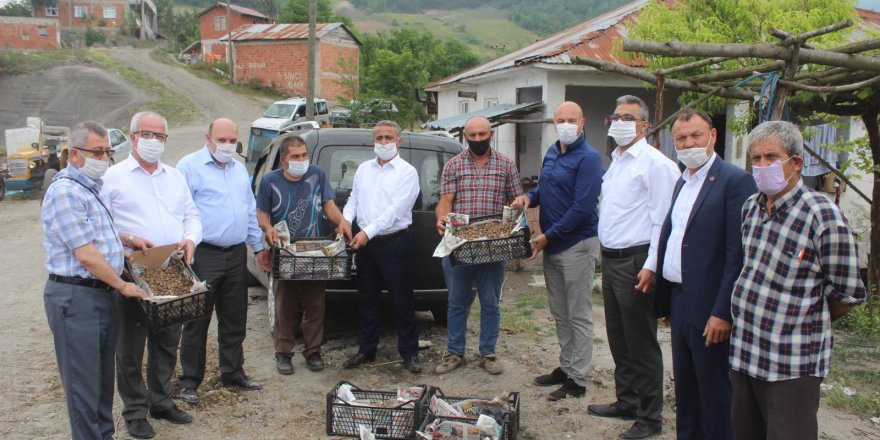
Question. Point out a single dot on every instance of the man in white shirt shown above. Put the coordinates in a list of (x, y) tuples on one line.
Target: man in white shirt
[(636, 192), (382, 198), (151, 200), (699, 258)]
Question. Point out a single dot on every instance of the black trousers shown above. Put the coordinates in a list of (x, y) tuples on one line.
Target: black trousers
[(385, 264), (226, 273), (134, 336), (632, 337), (783, 410)]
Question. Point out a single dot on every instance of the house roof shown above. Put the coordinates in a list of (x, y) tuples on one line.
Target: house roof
[(592, 39), (285, 31), (494, 114), (240, 10)]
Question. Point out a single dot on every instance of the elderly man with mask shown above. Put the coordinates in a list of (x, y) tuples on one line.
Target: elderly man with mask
[(84, 258), (568, 193), (385, 190), (152, 200), (698, 259), (800, 273), (220, 188), (476, 182), (300, 195), (636, 192)]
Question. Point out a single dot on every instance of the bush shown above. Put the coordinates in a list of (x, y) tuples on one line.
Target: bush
[(95, 36), (863, 320)]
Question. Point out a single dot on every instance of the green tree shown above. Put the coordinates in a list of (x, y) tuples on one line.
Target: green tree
[(297, 11), (180, 28), (16, 8)]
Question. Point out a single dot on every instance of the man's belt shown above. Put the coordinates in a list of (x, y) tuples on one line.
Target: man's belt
[(214, 247), (80, 281), (389, 236), (625, 252)]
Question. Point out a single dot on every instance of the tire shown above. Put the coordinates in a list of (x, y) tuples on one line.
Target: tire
[(439, 311), (2, 188), (47, 178)]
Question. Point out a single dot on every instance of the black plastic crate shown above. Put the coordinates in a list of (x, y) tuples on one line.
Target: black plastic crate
[(287, 266), (494, 249), (398, 422), (185, 308), (509, 426)]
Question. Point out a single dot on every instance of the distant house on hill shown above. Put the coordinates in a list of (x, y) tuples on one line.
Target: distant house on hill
[(276, 56), (107, 15), (29, 33), (213, 26)]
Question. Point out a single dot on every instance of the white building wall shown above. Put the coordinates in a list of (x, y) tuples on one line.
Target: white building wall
[(857, 209)]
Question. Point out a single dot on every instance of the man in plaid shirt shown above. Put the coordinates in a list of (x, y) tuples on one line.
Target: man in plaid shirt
[(800, 273), (476, 182)]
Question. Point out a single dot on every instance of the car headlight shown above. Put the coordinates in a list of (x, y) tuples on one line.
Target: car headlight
[(32, 164)]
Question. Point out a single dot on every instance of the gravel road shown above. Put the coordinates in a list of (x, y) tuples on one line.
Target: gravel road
[(291, 407)]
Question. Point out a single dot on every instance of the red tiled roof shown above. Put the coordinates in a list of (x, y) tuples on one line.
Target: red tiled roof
[(593, 38)]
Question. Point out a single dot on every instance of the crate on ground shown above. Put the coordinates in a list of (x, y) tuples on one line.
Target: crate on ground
[(287, 265), (493, 249), (509, 422), (165, 311), (380, 411)]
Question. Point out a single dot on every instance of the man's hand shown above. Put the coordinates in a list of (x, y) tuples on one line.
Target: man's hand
[(646, 281), (717, 331), (665, 321), (140, 243), (265, 260), (521, 202), (538, 244), (130, 290), (838, 309), (344, 229), (360, 240), (441, 226), (189, 250), (271, 237)]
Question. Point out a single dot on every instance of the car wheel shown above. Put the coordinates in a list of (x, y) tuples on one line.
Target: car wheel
[(439, 311), (47, 178), (2, 188)]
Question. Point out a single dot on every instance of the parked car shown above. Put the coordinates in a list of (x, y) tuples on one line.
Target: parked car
[(368, 113), (120, 144), (282, 114), (339, 151)]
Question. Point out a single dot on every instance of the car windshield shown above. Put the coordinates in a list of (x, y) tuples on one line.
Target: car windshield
[(280, 111)]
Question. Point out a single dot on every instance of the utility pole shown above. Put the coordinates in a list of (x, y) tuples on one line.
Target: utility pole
[(310, 76), (229, 43)]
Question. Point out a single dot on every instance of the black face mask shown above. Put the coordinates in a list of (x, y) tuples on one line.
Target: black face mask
[(479, 147)]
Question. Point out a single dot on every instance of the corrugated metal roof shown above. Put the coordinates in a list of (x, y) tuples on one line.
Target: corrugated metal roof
[(240, 10), (456, 123), (284, 31), (593, 38)]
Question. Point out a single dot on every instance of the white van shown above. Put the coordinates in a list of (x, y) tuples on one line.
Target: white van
[(282, 114)]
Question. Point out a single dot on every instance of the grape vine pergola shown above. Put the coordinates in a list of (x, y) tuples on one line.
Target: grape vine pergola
[(841, 81)]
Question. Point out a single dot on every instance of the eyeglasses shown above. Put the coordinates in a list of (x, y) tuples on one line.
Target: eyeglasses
[(626, 117), (101, 152), (147, 134)]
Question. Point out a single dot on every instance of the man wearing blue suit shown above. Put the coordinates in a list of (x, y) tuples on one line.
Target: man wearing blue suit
[(699, 258)]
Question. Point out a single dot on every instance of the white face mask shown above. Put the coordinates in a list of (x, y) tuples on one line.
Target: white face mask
[(385, 152), (150, 150), (694, 157), (94, 169), (224, 152), (296, 168), (568, 133), (623, 132)]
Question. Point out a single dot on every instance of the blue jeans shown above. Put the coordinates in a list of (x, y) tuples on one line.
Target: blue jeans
[(460, 281)]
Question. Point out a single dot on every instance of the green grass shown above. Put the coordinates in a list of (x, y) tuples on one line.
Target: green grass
[(854, 365), (176, 109), (485, 30), (520, 316), (207, 71)]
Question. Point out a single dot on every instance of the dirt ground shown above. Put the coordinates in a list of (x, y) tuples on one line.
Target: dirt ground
[(293, 407)]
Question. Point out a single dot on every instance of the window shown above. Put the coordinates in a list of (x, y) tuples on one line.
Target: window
[(341, 166), (51, 11), (430, 166), (42, 31), (116, 137), (220, 23), (110, 12), (320, 108), (491, 102), (25, 37), (463, 107), (80, 11)]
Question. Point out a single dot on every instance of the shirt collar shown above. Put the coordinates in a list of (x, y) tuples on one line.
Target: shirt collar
[(634, 150), (786, 199), (700, 175), (132, 164), (574, 145), (393, 162), (208, 158), (77, 175)]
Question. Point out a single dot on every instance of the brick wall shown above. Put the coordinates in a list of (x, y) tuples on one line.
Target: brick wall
[(283, 66), (110, 14), (29, 33)]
